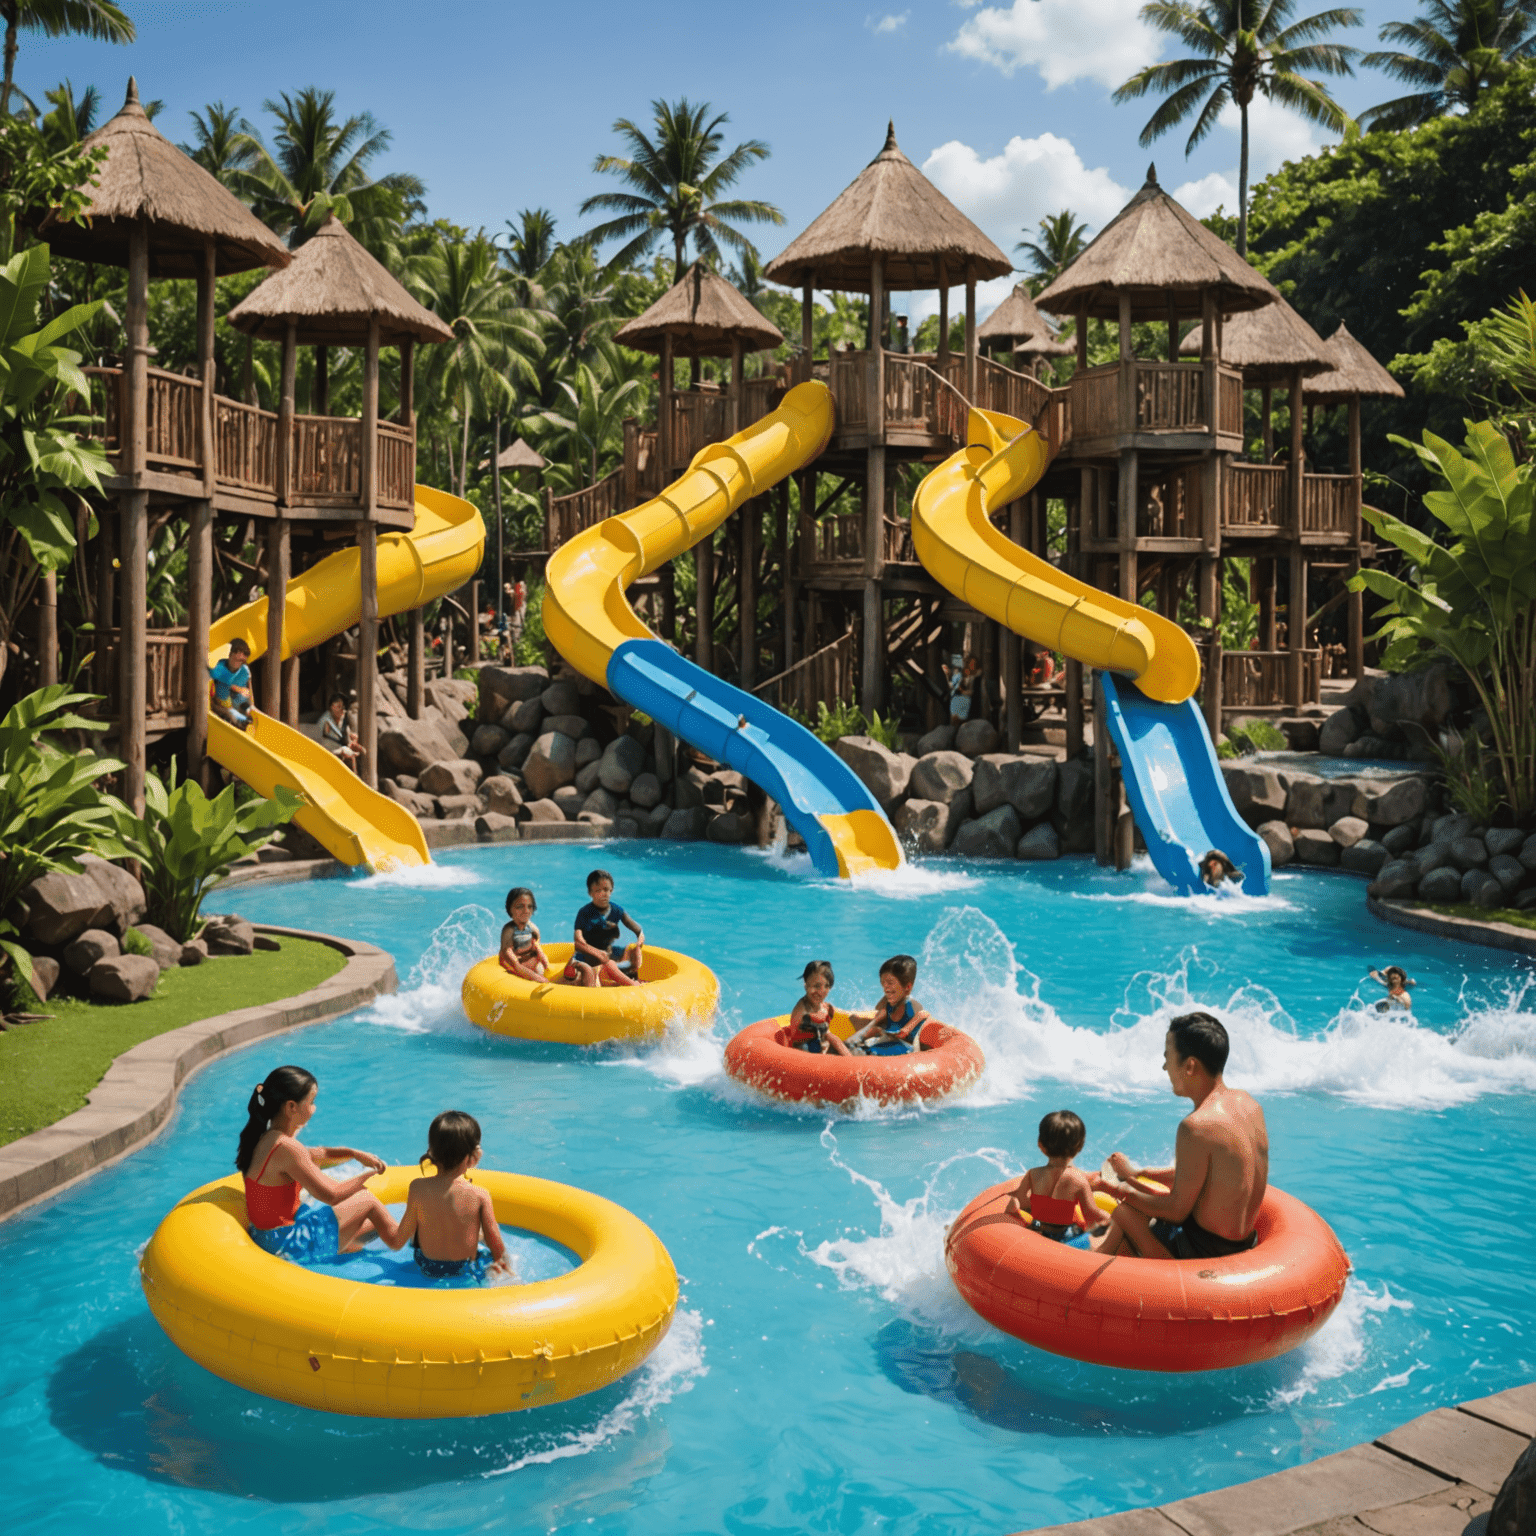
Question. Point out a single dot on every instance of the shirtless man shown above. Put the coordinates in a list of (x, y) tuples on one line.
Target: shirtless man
[(1221, 1161)]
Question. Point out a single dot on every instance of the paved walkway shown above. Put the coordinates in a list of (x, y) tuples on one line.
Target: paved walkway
[(1434, 1476)]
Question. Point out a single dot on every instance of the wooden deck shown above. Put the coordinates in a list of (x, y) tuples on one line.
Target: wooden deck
[(1195, 405)]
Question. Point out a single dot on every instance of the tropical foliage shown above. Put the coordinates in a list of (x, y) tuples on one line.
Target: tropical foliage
[(1059, 241)]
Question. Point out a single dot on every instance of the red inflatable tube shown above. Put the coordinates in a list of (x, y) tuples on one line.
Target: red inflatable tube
[(1150, 1314), (759, 1057)]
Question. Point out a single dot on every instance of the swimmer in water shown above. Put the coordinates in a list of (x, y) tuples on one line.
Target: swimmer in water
[(1397, 981), (1216, 868)]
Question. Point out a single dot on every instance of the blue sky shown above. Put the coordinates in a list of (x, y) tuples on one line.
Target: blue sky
[(501, 106)]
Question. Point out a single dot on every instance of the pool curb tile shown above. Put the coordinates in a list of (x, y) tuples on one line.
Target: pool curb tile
[(1470, 930), (135, 1097), (1434, 1474)]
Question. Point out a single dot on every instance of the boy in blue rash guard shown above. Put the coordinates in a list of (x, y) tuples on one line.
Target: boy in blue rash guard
[(232, 685), (896, 1022), (597, 936)]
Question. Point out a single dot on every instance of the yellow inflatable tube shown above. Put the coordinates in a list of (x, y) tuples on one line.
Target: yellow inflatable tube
[(676, 988), (345, 1346)]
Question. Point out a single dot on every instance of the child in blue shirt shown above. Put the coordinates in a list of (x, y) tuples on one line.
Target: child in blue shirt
[(597, 936), (232, 685), (895, 1024)]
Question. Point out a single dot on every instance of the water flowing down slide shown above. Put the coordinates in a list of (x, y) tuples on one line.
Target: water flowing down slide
[(1172, 780), (352, 822), (589, 621)]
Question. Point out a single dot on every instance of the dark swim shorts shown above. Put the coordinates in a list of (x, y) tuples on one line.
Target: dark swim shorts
[(1189, 1240)]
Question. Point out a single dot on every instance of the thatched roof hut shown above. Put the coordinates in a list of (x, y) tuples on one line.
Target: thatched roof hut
[(145, 176), (331, 289), (1158, 253), (1044, 346), (705, 316), (518, 455), (1353, 374), (1015, 319), (1268, 344), (892, 211)]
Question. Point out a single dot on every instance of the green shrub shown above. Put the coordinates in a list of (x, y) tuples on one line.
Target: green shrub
[(1247, 736), (134, 943)]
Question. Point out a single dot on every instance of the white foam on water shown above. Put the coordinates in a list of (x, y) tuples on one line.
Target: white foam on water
[(907, 883), (1339, 1346), (972, 978), (430, 996), (418, 877), (674, 1366)]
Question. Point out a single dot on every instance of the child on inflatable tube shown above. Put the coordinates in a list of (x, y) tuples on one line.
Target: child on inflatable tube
[(895, 1025), (597, 936), (811, 1018)]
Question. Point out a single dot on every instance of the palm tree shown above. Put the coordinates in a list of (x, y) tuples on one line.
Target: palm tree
[(72, 117), (530, 244), (1455, 49), (222, 142), (321, 165), (1243, 49), (675, 182), (594, 421), (1061, 241), (98, 19)]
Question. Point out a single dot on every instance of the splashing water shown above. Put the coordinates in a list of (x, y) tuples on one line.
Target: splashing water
[(430, 997), (418, 877), (1339, 1346)]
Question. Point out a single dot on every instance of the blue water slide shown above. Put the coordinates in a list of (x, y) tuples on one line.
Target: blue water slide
[(1176, 790), (807, 778)]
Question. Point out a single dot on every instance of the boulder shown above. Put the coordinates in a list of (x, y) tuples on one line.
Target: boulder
[(620, 764), (409, 746), (1028, 784), (124, 893), (1314, 846), (194, 952), (502, 797), (1318, 803), (1039, 842), (1510, 873), (1339, 729), (884, 773), (941, 776), (414, 801), (1436, 856), (1526, 900), (1258, 794), (525, 715), (1277, 838), (570, 724), (95, 944), (493, 827), (1348, 830), (550, 763), (645, 791), (229, 935), (1366, 857), (587, 777), (1469, 852), (561, 698), (688, 790), (45, 976), (1481, 889), (61, 906), (1398, 877), (488, 740), (502, 687), (1400, 840), (167, 952), (726, 827), (1527, 854), (993, 836), (1371, 746), (1514, 1510), (654, 820), (451, 697), (1074, 792), (1442, 885), (452, 777), (1301, 735), (403, 780), (516, 751), (1503, 840), (601, 802), (975, 737), (686, 826), (543, 810), (1391, 803), (458, 807), (940, 739), (124, 978), (570, 800), (588, 750), (929, 825), (1424, 698), (1446, 829)]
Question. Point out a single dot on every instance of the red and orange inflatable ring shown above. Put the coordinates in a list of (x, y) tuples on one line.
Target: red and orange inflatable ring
[(759, 1057), (1150, 1314)]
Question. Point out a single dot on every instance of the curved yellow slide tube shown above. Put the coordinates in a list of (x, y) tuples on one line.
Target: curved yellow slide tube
[(349, 820), (959, 547)]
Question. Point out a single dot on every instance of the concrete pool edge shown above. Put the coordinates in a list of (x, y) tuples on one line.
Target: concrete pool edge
[(1439, 1473), (1470, 930), (135, 1097)]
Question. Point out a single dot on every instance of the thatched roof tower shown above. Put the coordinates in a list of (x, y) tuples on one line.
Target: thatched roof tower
[(1160, 255), (332, 288), (1268, 344), (1353, 374), (1015, 319), (705, 316), (146, 177), (892, 211), (518, 455)]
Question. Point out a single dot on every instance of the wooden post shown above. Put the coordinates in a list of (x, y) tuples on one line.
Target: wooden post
[(872, 661), (746, 592), (1211, 700), (734, 410), (1103, 822), (200, 531), (1082, 336), (501, 549), (48, 630), (1173, 331), (704, 602), (474, 619), (1013, 669), (1354, 642), (1266, 395), (970, 331), (133, 685), (943, 349), (786, 580), (1269, 617), (1296, 613), (1073, 682), (368, 565), (407, 412), (320, 390), (664, 409), (278, 556), (416, 664), (1128, 494), (1128, 411), (807, 330), (1207, 322)]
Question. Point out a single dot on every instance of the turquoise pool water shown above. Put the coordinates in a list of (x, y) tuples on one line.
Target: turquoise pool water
[(821, 1374)]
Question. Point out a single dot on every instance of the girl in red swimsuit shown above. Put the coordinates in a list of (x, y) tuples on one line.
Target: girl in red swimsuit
[(811, 1018), (278, 1167)]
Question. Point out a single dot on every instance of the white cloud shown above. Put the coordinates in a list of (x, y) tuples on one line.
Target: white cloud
[(1274, 136), (1211, 192), (1011, 192), (1065, 40), (889, 23)]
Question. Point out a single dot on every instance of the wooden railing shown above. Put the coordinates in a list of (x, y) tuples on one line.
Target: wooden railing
[(848, 379), (1328, 504), (1262, 679), (1169, 397), (837, 540), (1174, 507), (1229, 402), (827, 674), (327, 459), (166, 679), (898, 542), (566, 516), (244, 447), (397, 465), (1257, 497)]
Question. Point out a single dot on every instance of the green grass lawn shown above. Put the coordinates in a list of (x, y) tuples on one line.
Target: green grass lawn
[(1487, 914), (47, 1068)]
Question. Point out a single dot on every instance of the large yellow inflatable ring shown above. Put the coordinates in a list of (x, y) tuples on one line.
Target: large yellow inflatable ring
[(677, 989), (345, 1346)]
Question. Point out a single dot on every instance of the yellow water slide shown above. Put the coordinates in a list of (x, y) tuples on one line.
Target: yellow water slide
[(956, 542), (352, 822)]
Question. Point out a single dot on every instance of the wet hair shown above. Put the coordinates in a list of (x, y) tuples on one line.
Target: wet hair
[(599, 874), (1398, 971), (282, 1085), (520, 890), (452, 1137), (336, 698), (237, 644), (1062, 1134), (1203, 1037), (821, 968), (902, 967)]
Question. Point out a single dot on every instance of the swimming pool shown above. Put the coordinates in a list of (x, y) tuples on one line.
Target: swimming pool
[(821, 1373)]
